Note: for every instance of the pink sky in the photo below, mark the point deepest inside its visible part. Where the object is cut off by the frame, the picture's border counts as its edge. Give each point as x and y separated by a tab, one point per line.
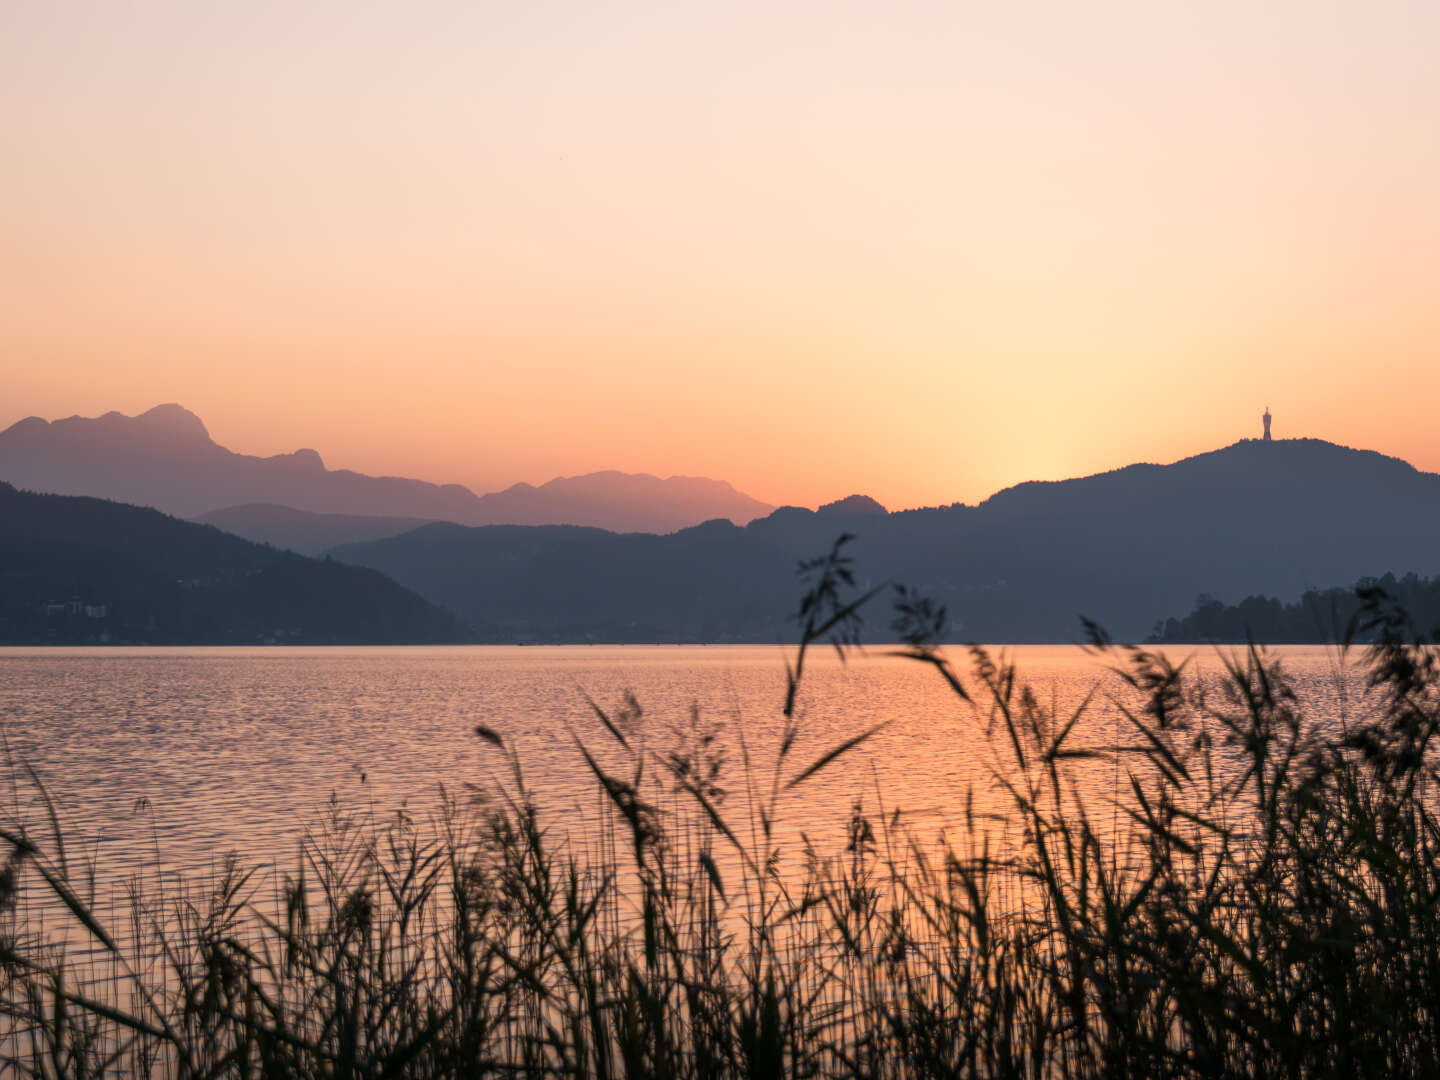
919	250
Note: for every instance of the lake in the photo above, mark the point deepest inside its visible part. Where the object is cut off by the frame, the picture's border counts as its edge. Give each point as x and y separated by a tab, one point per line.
172	757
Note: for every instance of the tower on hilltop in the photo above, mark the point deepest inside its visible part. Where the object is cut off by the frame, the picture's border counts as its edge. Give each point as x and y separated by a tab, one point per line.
1266	419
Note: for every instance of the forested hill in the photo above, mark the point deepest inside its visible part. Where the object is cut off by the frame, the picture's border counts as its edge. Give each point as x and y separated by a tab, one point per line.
1319	617
77	570
1126	548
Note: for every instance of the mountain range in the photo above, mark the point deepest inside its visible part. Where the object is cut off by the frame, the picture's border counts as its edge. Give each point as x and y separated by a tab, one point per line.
166	459
77	570
1125	548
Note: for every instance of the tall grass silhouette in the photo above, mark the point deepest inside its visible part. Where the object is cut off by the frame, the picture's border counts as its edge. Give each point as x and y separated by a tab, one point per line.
1259	898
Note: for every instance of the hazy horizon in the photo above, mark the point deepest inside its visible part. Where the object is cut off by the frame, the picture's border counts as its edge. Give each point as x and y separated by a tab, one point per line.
913	250
333	465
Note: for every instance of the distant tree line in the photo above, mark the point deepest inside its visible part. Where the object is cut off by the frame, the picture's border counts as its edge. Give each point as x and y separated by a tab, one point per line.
1320	616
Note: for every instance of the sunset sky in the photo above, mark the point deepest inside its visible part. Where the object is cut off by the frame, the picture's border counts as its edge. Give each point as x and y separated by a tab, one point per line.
917	250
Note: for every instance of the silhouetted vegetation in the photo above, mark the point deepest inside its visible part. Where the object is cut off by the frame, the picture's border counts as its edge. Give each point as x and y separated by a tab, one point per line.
88	571
1320	616
1259	900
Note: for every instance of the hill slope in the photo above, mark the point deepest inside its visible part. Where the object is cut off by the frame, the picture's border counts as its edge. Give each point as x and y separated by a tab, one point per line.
305	531
1126	547
76	570
165	458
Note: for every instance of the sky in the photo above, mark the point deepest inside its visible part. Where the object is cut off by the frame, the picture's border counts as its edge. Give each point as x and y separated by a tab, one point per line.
917	250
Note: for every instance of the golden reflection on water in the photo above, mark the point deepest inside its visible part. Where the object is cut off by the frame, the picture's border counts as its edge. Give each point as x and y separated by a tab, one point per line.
170	758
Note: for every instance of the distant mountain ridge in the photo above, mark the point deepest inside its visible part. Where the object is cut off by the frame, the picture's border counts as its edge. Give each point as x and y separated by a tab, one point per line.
78	570
305	531
166	459
620	502
1126	547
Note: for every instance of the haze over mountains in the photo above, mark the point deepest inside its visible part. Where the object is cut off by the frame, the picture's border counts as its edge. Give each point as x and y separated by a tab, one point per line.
1127	548
305	531
166	459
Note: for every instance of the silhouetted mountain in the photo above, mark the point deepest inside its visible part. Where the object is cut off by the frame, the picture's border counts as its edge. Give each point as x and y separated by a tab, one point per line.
76	570
165	458
1319	617
619	502
547	583
853	506
303	531
1123	547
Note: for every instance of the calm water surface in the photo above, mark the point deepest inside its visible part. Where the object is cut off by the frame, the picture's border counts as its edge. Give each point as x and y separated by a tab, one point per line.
182	755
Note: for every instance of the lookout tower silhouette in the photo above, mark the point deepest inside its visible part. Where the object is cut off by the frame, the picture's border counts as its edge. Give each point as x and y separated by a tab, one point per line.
1266	419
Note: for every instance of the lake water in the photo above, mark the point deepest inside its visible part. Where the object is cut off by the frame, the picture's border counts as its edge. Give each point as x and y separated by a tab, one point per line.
173	757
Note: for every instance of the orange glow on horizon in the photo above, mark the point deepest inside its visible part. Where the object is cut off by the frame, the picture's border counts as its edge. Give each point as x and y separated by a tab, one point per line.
911	251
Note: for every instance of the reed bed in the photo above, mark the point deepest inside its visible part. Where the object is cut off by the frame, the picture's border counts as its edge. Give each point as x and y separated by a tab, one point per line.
1259	898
